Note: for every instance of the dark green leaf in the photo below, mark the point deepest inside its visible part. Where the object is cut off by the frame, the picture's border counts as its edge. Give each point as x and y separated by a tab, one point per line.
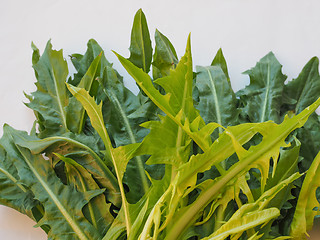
82	148
262	99
82	63
97	210
217	101
50	99
12	193
306	87
310	139
118	108
62	204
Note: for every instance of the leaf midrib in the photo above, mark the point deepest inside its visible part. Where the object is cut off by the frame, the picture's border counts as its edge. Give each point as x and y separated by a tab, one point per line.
264	109
64	121
113	98
217	105
56	201
166	47
13	179
238	168
106	140
142	47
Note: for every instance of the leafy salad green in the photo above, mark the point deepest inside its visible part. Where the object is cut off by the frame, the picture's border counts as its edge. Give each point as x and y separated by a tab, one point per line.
185	158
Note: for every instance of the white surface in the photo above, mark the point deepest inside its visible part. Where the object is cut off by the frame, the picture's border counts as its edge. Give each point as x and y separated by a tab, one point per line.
245	29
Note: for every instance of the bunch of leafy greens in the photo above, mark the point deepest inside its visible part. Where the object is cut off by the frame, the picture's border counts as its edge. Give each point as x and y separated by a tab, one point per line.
185	158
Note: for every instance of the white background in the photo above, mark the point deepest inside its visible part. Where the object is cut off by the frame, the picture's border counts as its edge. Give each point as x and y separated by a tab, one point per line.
245	29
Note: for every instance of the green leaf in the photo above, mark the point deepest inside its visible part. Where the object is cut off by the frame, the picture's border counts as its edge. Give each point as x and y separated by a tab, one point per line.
13	194
174	151
50	99
119	156
256	157
177	104
119	112
80	147
220	150
83	62
220	61
62	204
302	91
241	222
287	164
217	101
75	111
35	54
117	228
305	89
307	203
286	167
165	56
310	139
235	225
97	210
262	99
140	47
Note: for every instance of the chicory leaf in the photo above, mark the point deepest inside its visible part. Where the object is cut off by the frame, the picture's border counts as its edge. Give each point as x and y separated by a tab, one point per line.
119	108
262	99
62	204
50	99
97	210
255	157
165	56
308	206
140	47
217	101
220	61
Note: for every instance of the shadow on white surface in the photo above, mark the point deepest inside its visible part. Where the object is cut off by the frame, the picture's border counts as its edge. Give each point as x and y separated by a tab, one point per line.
14	225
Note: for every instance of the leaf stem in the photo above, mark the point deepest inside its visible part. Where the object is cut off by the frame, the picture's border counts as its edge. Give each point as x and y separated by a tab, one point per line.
113	98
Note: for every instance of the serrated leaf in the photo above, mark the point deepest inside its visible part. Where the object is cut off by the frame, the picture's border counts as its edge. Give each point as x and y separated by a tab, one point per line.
75	111
262	98
303	90
220	150
120	104
119	111
177	104
83	62
97	210
242	222
306	87
307	203
118	156
50	99
12	193
140	46
256	157
80	147
287	166
62	204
